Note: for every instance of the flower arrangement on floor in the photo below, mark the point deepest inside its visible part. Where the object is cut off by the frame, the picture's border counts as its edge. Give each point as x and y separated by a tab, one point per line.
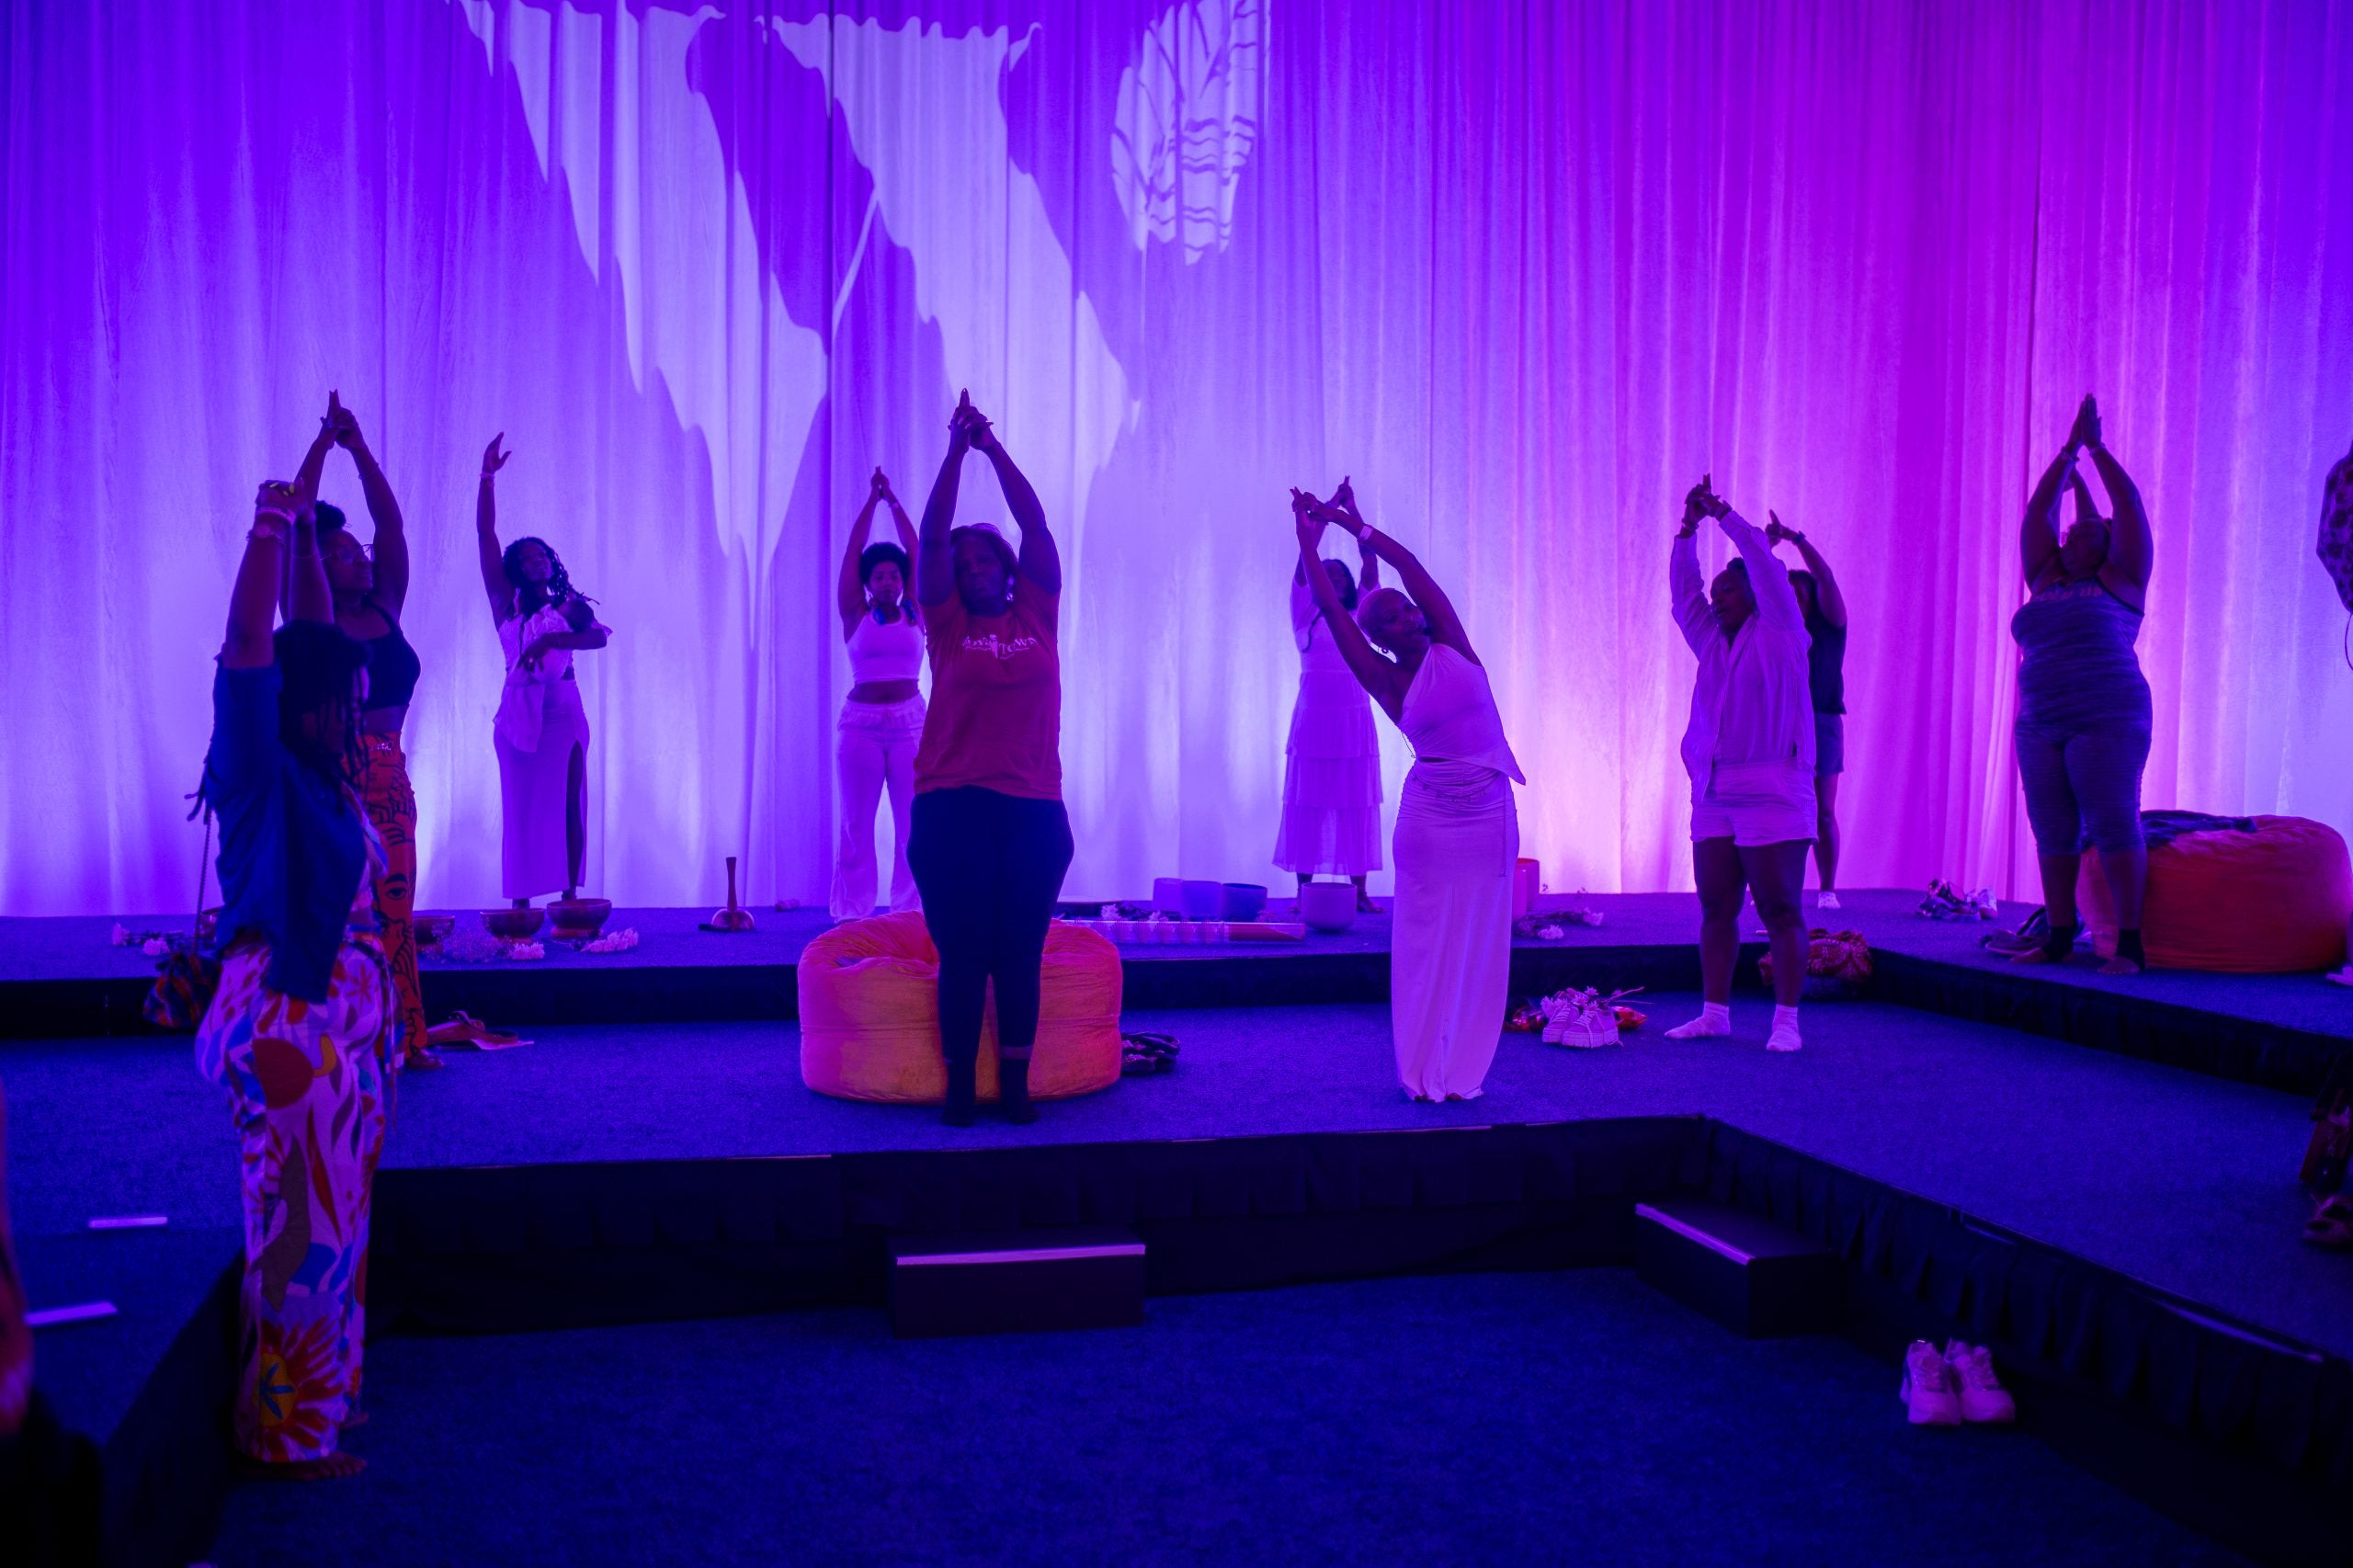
1837	965
1552	924
618	941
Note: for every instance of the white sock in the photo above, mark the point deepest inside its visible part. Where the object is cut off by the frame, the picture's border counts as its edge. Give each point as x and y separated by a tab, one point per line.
1715	1018
1785	1030
1829	899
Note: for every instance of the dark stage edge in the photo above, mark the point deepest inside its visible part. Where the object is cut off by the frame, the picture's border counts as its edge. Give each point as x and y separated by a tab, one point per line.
59	979
2232	1430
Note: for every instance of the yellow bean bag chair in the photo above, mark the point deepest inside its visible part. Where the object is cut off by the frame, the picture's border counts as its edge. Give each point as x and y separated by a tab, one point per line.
2270	901
870	1016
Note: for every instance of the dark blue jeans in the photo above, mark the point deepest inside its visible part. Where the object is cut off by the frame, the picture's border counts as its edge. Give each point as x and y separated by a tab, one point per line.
990	867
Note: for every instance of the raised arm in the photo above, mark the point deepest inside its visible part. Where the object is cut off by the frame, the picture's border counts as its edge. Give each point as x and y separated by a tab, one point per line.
389	549
494	566
934	562
253	601
1368	563
1378	675
314	598
2038	532
1768	580
306	490
1827	596
1040	562
314	462
2131	548
1437	610
849	593
1687	589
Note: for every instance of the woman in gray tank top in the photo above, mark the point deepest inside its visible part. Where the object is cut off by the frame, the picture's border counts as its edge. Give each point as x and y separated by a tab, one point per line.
2081	732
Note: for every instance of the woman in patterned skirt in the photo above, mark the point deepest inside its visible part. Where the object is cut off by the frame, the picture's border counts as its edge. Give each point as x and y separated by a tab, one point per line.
304	1026
371	585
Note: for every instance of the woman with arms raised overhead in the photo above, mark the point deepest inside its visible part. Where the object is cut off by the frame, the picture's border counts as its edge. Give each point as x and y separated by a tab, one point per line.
1458	825
1824	609
2082	732
990	840
1748	748
1331	821
881	719
371	585
304	1026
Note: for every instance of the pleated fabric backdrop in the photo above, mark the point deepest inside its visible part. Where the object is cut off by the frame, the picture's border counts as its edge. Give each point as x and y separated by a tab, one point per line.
1523	271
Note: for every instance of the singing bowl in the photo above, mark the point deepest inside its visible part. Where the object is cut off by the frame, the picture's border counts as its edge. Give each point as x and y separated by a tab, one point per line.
512	924
1202	901
1242	900
576	919
431	929
1328	906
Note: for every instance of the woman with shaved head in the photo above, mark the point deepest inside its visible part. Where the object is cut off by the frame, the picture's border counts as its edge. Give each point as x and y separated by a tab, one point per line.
1458	826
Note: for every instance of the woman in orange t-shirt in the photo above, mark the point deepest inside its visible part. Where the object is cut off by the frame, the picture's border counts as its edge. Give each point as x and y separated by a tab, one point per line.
990	840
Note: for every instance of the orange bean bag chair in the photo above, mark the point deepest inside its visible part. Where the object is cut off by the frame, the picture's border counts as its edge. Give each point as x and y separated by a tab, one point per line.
2264	903
869	1014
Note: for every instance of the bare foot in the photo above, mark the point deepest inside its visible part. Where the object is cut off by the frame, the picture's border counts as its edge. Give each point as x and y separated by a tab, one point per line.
2034	955
2119	966
421	1058
1365	904
334	1467
357	1418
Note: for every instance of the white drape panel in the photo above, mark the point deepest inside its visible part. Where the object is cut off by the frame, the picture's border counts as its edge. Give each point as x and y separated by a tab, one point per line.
1522	270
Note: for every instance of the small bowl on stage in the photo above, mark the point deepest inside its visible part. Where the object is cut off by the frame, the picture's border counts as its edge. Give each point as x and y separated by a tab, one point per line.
1328	906
512	924
433	929
578	920
1200	901
1241	900
1168	895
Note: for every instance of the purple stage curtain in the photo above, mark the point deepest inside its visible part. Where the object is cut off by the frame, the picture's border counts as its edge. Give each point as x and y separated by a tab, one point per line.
1524	271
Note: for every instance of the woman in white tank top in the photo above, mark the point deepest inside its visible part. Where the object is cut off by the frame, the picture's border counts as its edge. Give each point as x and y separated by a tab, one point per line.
882	720
1458	825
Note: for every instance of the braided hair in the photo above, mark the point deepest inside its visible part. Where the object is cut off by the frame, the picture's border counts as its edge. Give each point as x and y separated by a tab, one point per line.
318	671
559	589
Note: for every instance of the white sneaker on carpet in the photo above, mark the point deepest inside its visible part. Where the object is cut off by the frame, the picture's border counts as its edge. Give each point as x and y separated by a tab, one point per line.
1928	1393
1828	900
1785	1038
1983	1397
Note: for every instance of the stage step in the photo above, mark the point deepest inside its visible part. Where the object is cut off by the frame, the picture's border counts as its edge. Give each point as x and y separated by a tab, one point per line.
1024	1281
1747	1273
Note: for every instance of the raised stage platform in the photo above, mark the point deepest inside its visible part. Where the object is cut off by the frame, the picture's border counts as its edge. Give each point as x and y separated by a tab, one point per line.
61	978
2124	1231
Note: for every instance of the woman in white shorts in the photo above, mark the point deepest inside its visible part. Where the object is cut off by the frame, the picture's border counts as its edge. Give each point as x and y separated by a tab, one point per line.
882	719
1749	750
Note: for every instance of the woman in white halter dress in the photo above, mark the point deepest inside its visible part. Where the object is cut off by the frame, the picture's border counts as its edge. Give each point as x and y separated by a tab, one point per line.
1458	825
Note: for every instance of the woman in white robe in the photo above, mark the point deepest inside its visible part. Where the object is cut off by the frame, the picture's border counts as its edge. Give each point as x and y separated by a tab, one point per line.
541	728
